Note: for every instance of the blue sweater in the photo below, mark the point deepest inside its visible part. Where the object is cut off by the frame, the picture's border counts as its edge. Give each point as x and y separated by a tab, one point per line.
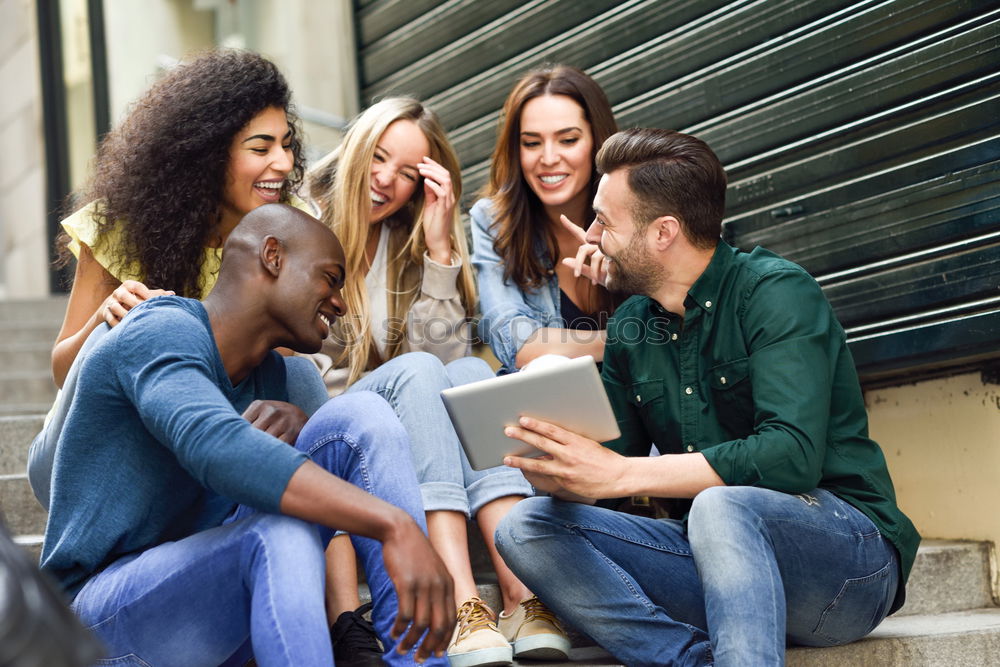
154	447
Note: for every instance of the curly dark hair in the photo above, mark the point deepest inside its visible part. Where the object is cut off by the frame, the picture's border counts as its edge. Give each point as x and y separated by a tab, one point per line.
162	171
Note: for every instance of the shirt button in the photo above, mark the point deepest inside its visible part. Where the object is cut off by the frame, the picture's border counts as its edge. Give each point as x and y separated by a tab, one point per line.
690	448
722	379
689	391
708	304
673	336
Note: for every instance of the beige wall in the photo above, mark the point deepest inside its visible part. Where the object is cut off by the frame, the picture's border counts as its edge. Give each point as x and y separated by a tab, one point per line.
142	37
942	441
23	244
313	43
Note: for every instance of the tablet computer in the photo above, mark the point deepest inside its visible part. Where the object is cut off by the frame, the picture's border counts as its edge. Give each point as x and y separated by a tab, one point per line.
569	394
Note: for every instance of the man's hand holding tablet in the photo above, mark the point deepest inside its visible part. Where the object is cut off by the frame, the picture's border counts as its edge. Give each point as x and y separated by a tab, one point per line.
567	393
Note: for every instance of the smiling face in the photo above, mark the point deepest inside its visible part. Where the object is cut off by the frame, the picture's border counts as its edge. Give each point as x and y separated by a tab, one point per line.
260	157
632	269
394	175
309	299
556	152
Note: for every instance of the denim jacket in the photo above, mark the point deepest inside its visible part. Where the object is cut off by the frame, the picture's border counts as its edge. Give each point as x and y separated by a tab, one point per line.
510	315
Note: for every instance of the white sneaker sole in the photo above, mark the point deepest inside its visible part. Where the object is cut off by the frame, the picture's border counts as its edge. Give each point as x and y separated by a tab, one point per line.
542	647
498	655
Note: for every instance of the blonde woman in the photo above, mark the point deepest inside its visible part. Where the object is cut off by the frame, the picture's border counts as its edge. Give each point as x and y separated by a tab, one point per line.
390	193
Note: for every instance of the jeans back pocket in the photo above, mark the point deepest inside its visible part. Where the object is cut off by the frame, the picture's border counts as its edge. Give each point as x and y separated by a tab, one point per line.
858	608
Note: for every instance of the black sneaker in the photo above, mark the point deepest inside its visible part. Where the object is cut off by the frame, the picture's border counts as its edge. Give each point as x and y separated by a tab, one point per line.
354	641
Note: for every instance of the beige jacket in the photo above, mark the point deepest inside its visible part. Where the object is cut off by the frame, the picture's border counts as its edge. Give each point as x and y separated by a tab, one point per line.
434	319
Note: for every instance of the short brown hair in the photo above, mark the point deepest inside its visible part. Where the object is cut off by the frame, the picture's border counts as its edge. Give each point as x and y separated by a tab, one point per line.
670	173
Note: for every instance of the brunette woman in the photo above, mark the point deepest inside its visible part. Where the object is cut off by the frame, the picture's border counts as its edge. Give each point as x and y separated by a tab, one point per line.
537	206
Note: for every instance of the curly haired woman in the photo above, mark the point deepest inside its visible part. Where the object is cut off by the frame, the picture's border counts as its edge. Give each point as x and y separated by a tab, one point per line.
210	141
207	143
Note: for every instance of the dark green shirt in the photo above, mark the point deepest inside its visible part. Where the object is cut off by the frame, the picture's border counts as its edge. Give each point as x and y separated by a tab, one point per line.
757	377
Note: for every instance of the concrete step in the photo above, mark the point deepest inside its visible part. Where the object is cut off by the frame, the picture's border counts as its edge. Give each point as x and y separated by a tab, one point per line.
16	434
24	409
21	511
31	331
32	544
31	356
948	576
957	639
49	309
968	638
26	387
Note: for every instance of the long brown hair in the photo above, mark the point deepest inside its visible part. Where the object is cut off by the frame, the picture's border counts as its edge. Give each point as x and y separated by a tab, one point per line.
516	208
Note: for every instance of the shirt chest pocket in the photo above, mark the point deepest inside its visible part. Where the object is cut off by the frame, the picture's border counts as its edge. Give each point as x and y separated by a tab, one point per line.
648	398
732	395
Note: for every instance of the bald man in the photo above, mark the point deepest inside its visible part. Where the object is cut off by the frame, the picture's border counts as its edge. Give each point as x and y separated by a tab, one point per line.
183	532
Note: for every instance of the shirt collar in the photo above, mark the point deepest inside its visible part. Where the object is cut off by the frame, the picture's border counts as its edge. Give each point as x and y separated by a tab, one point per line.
704	294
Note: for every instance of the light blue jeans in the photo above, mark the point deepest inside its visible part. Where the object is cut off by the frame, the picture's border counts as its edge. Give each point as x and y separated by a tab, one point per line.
412	385
755	569
259	578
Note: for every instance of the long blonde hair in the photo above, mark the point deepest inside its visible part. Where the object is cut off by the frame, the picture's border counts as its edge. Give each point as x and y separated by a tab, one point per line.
341	184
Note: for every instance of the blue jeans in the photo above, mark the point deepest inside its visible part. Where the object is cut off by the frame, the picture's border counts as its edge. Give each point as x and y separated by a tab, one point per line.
412	385
755	569
259	578
306	388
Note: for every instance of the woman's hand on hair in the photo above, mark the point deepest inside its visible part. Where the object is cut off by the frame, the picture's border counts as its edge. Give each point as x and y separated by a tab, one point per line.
127	296
589	262
439	210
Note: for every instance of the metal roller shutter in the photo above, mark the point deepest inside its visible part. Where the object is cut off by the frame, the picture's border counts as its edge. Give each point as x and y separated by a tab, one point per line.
862	139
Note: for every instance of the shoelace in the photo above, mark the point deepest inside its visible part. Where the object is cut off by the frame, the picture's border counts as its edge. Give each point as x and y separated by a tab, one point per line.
474	615
535	610
356	634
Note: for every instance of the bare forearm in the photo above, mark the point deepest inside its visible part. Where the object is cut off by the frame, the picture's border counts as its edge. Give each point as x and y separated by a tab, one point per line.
66	350
316	496
668	476
567	342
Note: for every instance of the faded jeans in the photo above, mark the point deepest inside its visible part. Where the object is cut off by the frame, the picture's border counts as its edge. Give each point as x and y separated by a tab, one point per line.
755	569
259	578
412	385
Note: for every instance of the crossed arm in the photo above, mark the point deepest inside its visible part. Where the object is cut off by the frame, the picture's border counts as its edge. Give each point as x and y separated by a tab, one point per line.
423	586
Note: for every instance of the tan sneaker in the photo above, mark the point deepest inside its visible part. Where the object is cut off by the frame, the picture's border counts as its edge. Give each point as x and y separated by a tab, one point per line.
535	632
477	641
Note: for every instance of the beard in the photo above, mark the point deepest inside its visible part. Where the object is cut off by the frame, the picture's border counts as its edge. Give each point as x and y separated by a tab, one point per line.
634	271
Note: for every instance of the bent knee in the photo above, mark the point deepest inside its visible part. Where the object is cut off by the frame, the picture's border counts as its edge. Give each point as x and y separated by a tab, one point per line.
362	414
468	369
419	364
717	499
717	509
529	519
282	535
